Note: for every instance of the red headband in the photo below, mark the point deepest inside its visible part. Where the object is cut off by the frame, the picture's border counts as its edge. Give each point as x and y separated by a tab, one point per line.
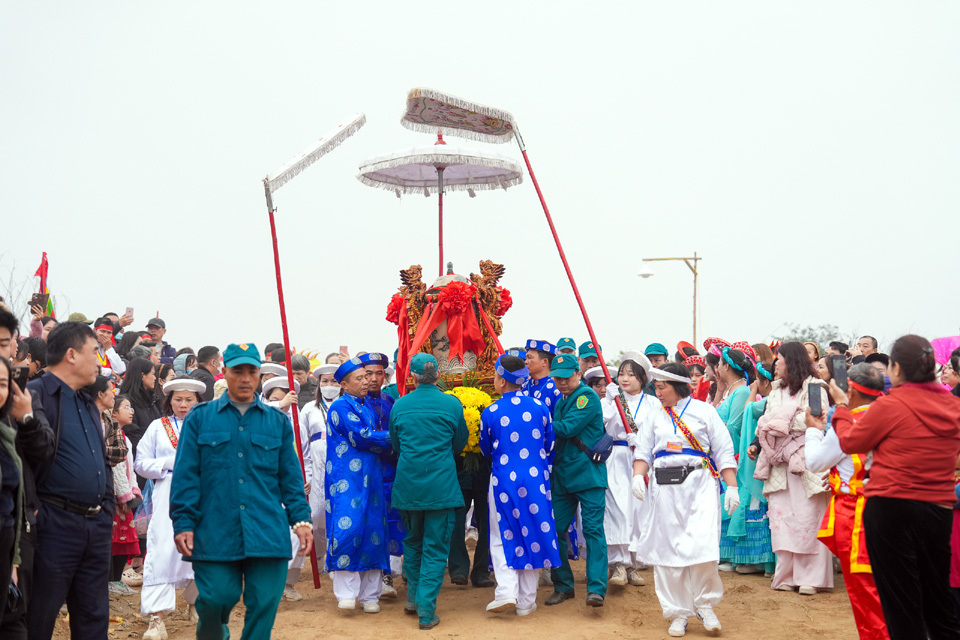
864	390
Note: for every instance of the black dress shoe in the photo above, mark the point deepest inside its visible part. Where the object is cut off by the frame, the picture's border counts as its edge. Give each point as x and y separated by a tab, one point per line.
594	600
484	582
559	596
458	580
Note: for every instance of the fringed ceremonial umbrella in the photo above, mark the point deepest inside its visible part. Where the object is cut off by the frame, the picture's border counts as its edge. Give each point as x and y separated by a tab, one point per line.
437	168
271	183
437	112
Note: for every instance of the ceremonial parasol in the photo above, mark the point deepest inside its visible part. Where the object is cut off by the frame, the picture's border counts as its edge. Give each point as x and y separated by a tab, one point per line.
271	183
437	168
433	111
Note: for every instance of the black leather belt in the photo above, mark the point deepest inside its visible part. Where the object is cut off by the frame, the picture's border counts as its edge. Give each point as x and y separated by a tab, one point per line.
73	507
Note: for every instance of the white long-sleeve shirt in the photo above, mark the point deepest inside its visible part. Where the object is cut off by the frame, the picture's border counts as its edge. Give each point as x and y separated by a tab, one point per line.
823	452
116	363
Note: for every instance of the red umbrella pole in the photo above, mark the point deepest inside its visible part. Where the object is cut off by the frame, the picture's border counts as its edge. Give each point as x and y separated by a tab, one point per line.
286	350
440	186
566	266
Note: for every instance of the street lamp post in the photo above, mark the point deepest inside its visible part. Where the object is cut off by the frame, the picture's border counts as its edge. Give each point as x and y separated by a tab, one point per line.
646	272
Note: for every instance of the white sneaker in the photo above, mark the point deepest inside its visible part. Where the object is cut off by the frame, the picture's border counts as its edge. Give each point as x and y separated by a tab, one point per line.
678	628
807	591
155	630
131	578
502	605
619	576
192	613
371	607
291	594
725	566
748	569
634	578
710	621
472	534
388	590
785	587
347	604
526	612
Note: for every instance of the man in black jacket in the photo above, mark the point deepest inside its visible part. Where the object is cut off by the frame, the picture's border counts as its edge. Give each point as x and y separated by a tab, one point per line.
75	488
208	368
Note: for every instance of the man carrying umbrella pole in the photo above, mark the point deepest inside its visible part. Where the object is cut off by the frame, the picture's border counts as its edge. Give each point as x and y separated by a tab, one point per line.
237	469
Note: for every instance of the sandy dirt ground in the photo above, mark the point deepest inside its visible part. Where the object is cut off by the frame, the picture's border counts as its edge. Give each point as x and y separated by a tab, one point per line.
750	610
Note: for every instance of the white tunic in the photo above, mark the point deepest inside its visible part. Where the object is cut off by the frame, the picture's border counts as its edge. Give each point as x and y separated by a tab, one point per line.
684	518
296	562
625	516
314	420
155	456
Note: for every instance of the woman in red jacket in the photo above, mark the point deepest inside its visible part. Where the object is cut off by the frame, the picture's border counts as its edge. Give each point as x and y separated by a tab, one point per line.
914	433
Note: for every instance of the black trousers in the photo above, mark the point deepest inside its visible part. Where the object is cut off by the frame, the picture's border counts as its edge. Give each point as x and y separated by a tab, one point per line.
474	488
7	536
13	624
909	546
72	565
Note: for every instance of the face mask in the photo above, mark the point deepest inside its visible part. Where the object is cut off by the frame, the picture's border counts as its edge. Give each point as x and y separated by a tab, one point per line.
330	393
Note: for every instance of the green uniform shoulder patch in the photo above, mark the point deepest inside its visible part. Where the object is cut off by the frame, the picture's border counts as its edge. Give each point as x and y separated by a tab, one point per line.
582	402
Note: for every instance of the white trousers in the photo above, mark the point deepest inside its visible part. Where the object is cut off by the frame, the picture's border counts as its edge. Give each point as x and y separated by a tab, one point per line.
396	565
364	586
162	598
621	553
682	590
512	584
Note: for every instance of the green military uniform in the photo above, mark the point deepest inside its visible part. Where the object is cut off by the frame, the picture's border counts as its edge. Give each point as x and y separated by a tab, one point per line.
427	429
577	480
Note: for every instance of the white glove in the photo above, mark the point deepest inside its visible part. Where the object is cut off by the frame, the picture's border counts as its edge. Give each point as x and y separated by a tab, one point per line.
731	500
633	439
612	391
639	487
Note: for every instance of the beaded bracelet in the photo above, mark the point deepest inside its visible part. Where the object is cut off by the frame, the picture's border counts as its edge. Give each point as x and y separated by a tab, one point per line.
303	524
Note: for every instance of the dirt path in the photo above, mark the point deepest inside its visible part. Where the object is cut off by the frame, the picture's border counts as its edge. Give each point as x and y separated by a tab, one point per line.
750	610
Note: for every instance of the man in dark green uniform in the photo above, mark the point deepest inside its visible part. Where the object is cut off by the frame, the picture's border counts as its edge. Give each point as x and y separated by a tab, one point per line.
427	429
577	480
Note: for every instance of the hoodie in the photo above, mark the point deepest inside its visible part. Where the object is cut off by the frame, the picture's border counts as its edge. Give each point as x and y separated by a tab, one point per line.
914	433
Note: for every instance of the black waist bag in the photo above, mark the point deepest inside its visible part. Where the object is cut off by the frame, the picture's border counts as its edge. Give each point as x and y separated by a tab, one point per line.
674	475
600	451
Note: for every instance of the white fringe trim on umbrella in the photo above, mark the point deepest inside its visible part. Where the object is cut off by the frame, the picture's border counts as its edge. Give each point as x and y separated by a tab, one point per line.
399	185
460	103
327	143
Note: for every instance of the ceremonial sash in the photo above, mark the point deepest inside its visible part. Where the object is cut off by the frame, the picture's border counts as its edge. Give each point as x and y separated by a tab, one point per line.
171	432
694	443
102	358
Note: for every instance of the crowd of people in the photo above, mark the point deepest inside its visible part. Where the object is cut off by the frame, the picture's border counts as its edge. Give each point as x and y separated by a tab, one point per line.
126	463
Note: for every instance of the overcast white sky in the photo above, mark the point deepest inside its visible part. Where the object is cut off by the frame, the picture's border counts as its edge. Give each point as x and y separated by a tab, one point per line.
810	152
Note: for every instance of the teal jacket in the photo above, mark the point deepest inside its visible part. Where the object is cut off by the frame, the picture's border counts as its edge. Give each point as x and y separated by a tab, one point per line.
577	415
232	478
428	431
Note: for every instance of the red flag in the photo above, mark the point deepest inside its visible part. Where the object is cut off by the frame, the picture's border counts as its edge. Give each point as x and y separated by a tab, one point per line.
42	272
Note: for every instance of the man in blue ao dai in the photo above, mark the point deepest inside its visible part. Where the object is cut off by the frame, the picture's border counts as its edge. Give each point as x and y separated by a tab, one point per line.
357	539
516	431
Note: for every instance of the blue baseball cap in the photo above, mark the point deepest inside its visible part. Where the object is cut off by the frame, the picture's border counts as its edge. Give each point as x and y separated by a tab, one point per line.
245	353
656	349
564	365
420	361
566	343
542	345
588	349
